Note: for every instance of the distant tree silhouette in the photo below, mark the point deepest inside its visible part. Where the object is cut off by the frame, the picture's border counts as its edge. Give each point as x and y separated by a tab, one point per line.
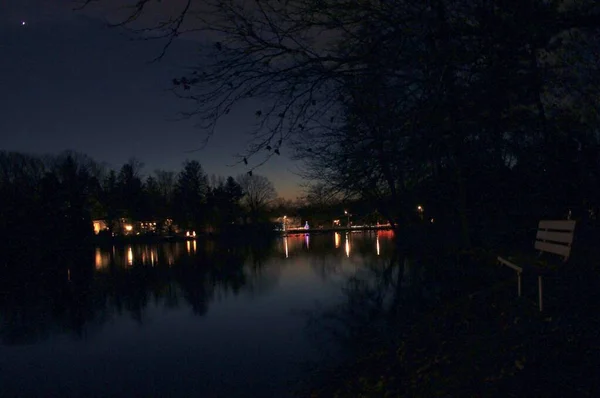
224	203
191	192
152	199
130	189
110	199
258	194
166	186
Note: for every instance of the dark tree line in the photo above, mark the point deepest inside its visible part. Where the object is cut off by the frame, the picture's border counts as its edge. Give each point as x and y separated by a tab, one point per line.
55	198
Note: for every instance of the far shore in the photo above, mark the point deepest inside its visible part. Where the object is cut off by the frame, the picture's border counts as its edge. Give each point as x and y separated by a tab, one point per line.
100	239
296	231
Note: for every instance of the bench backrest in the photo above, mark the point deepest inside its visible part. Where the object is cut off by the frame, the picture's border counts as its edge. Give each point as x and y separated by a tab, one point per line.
555	236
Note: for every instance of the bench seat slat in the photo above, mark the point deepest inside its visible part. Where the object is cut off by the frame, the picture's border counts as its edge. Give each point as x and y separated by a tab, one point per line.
561	237
559	225
559	249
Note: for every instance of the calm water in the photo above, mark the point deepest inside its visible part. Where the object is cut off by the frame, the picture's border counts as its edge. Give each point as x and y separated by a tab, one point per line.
201	318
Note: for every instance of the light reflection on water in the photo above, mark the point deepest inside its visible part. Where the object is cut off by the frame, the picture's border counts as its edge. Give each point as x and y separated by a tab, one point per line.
129	256
170	253
347	245
195	317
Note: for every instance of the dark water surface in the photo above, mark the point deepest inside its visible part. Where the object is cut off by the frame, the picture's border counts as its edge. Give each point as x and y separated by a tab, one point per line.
196	318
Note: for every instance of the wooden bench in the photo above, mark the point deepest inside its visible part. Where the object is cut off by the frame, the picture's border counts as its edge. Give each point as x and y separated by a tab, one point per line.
553	236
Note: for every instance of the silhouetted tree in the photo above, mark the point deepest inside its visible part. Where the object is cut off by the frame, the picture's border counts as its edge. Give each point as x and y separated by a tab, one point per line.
224	202
166	186
190	195
69	189
258	193
152	199
111	199
129	185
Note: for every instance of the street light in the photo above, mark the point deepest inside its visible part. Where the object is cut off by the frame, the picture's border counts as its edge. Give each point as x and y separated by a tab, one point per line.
348	215
420	211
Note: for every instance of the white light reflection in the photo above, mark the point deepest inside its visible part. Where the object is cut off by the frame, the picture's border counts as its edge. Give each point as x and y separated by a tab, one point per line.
152	257
337	238
285	245
194	245
307	240
347	245
377	244
129	256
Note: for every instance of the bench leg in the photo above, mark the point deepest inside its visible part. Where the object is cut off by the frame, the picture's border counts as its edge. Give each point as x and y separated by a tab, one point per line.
540	292
519	284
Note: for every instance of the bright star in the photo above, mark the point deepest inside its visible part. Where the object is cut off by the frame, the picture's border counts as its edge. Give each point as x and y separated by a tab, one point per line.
23	23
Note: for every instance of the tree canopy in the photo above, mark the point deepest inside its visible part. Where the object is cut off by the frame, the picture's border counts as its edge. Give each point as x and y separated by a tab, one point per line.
400	102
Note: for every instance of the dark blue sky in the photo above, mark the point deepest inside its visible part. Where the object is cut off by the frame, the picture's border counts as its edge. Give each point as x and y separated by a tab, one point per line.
69	82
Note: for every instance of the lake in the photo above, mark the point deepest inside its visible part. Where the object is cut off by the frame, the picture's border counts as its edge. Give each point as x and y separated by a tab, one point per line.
205	318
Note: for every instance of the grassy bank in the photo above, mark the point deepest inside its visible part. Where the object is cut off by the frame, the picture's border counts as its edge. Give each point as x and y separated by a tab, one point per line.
489	342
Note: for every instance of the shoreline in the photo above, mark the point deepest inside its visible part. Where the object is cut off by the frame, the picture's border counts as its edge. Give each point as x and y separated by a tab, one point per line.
327	230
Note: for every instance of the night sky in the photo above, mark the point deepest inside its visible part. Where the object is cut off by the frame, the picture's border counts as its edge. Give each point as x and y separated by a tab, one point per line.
67	81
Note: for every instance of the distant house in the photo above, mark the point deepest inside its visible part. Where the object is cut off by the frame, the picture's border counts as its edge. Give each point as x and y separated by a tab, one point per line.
99	226
145	227
130	227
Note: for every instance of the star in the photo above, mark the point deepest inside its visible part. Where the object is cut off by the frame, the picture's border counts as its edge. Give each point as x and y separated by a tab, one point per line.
23	23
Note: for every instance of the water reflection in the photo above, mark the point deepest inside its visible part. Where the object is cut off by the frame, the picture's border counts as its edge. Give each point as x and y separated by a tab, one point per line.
347	245
295	243
389	290
374	242
102	259
132	298
130	256
109	281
